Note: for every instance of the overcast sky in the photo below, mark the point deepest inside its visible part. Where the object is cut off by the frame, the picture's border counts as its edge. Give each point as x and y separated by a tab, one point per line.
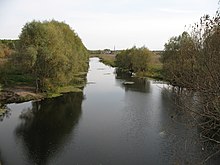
107	23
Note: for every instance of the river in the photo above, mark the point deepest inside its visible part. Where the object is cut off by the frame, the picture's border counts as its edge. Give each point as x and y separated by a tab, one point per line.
109	123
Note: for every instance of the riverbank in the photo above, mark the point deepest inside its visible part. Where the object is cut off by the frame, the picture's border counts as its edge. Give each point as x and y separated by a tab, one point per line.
19	94
154	71
22	90
108	59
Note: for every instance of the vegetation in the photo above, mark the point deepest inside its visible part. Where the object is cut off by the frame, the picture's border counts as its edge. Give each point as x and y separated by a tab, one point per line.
49	55
141	61
105	58
6	48
134	59
191	61
179	60
154	67
3	111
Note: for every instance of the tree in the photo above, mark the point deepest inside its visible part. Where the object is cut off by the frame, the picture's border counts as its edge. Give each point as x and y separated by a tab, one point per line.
192	62
179	61
52	52
134	59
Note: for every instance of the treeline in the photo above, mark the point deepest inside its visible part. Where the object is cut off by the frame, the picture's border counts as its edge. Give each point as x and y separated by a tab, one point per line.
49	53
192	61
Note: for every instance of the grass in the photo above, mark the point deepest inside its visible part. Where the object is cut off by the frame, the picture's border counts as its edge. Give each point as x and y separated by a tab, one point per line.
65	89
77	85
154	71
70	88
154	68
53	95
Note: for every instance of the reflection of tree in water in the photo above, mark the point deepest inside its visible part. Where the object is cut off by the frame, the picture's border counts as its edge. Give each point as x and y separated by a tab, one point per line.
47	126
1	161
140	84
182	137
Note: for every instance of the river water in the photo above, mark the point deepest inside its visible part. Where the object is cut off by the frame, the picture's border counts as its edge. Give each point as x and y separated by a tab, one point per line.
109	123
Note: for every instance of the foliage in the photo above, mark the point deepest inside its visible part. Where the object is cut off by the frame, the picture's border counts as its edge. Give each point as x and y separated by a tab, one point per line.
154	71
179	60
5	50
192	62
51	52
134	59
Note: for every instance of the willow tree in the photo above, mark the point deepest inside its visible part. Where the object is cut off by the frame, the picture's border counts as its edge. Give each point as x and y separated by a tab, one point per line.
52	52
134	59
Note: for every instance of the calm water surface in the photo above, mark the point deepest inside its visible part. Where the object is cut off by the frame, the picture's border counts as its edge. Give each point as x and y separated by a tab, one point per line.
108	124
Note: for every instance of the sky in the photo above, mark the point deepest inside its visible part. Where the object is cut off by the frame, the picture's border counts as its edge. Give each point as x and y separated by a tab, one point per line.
103	24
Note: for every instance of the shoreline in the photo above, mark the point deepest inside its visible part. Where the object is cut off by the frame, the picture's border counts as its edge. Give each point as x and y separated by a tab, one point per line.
19	94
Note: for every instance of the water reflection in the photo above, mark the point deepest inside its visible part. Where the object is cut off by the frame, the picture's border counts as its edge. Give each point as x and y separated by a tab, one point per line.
181	144
1	161
120	124
161	112
45	129
138	84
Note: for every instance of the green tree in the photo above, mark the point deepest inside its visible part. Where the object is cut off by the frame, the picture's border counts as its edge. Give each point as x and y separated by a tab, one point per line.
52	52
134	59
179	61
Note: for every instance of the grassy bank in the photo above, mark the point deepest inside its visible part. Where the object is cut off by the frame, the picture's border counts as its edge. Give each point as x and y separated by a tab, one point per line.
108	59
154	69
20	88
154	72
